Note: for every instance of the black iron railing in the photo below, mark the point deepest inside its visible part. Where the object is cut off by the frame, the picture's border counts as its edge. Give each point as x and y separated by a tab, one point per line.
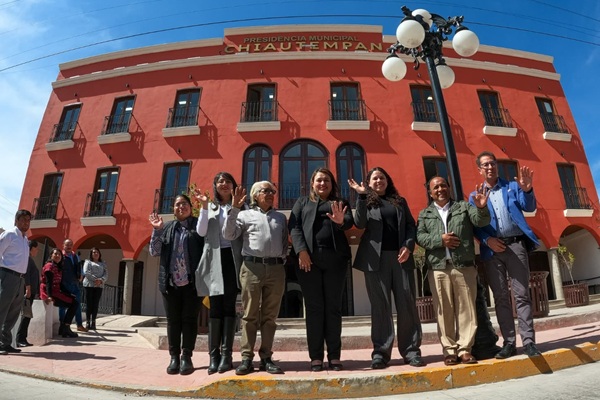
554	123
576	198
424	111
63	131
347	110
497	117
183	116
99	204
111	301
118	123
164	199
45	207
259	111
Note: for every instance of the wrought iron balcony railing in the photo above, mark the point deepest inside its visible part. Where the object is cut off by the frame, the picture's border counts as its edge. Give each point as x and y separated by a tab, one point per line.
63	131
164	199
99	204
118	123
111	301
259	111
424	111
347	110
45	207
554	123
497	117
576	198
183	116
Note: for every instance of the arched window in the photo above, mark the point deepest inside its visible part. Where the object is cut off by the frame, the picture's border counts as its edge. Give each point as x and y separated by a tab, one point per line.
257	165
298	161
350	160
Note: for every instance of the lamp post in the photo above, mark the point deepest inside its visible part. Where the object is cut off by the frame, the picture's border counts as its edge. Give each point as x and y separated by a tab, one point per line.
421	35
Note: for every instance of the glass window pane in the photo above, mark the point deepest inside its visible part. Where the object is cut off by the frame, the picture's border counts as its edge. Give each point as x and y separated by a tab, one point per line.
293	151
314	151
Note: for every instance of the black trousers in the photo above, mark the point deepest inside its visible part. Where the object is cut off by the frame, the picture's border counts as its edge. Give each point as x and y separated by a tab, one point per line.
23	328
222	306
322	289
71	309
181	306
92	295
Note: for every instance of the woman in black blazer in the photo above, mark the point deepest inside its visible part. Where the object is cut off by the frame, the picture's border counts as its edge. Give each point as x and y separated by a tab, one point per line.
317	224
385	256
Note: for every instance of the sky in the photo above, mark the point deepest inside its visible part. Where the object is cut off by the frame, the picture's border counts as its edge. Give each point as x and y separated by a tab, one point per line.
37	35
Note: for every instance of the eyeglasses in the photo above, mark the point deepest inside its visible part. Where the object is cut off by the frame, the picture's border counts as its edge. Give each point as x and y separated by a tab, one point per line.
490	164
267	191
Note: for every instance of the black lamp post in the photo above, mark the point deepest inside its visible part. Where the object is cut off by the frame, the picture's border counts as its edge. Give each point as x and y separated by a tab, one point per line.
421	35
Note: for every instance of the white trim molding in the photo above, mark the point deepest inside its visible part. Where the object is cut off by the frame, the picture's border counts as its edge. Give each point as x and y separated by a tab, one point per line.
578	213
43	223
60	145
181	131
561	137
259	126
348	125
426	126
98	221
114	138
499	131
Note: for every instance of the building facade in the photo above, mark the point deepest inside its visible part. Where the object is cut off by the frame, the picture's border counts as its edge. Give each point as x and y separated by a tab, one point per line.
124	132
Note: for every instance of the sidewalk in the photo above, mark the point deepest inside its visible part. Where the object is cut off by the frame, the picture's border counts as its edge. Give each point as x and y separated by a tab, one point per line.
120	356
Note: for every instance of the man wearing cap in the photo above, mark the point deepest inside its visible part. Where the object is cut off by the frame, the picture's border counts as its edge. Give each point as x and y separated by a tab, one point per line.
14	256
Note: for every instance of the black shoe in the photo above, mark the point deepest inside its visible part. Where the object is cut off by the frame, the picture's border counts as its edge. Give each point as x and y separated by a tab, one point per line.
23	343
416	361
187	367
9	349
316	365
213	365
508	350
336	366
269	366
378	363
245	367
173	367
68	333
531	350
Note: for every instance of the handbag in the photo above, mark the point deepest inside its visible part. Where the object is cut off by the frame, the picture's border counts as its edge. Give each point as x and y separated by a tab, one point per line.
26	311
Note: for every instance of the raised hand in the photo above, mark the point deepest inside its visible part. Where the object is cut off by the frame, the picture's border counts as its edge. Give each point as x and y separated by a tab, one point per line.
482	193
156	220
525	179
360	189
239	197
337	212
203	198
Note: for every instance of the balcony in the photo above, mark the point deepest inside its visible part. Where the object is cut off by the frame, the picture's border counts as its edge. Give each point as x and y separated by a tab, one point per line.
555	128
498	122
348	115
164	199
577	202
425	117
44	212
182	121
115	129
99	208
257	116
62	136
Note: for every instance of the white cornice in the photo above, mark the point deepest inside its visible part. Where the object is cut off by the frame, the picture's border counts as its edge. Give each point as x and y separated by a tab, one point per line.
288	56
350	29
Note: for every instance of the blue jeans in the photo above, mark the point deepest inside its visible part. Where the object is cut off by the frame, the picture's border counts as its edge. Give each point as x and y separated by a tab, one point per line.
73	288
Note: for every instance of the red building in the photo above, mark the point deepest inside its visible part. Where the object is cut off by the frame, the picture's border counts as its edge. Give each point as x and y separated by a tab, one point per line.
123	132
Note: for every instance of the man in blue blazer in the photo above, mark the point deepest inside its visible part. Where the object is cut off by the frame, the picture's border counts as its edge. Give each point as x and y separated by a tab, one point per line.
504	245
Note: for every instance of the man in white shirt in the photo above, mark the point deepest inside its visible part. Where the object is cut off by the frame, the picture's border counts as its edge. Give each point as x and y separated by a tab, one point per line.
14	256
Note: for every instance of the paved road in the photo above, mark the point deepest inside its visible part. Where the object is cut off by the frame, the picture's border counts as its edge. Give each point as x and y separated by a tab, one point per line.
573	383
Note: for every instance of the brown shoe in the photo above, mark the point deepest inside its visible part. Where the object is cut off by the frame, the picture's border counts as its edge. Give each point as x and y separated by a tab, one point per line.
450	360
467	358
81	328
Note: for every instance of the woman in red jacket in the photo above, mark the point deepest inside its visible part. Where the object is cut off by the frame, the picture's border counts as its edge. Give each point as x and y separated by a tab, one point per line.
51	290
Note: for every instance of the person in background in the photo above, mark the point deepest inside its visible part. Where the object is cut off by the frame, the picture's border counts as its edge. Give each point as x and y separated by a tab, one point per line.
262	276
53	290
317	224
72	277
218	272
14	254
179	247
445	231
385	256
95	274
505	244
32	288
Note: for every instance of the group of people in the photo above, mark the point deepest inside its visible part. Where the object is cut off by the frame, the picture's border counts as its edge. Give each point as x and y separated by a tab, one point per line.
232	246
58	284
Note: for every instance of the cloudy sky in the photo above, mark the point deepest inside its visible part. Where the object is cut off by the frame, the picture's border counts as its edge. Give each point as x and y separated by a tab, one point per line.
37	35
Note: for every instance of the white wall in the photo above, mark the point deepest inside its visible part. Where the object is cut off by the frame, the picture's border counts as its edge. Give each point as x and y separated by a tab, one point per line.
587	255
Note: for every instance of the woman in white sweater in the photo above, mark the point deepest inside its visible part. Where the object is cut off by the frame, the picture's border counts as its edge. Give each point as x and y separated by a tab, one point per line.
95	274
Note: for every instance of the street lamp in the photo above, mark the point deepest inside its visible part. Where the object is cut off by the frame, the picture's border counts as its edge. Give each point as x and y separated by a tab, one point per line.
421	35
